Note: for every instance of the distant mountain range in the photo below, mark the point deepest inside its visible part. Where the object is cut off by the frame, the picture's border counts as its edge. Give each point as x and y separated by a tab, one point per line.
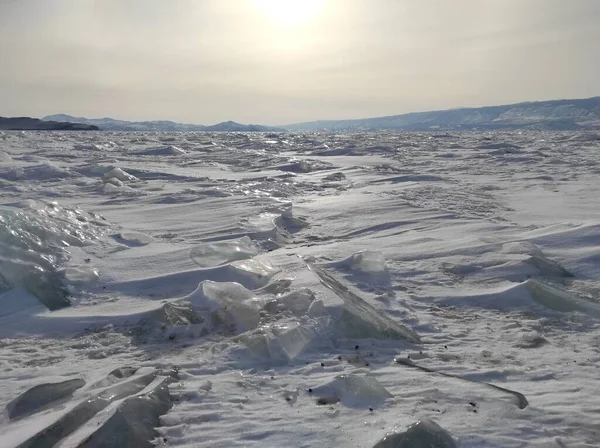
558	115
34	124
571	114
110	124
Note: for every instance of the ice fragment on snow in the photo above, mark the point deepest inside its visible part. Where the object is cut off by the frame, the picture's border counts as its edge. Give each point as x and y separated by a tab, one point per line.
176	314
548	268
298	302
33	241
214	254
560	300
254	272
284	341
317	309
294	338
358	319
227	305
276	287
80	276
113	181
423	434
352	391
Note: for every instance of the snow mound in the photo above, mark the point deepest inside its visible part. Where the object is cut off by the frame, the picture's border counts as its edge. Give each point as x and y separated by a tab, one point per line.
303	166
93	170
223	252
34	241
42	172
335	177
91	147
355	391
585	137
227	306
119	174
368	261
168	150
367	265
521	247
135	238
499	145
252	274
423	434
5	157
528	294
116	187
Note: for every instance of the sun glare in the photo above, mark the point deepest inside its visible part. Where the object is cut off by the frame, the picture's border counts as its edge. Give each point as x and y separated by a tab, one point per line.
290	12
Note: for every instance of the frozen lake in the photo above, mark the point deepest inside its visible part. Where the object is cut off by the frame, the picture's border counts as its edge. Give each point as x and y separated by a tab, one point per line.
299	290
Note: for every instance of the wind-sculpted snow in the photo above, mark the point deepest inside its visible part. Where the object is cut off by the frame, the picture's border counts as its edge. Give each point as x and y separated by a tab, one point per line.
312	289
222	252
131	424
41	396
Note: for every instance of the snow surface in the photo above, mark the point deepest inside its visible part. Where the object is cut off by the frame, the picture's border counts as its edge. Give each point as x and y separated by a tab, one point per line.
295	281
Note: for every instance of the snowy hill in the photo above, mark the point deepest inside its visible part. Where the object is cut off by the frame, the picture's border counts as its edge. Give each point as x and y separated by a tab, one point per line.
110	124
34	124
559	115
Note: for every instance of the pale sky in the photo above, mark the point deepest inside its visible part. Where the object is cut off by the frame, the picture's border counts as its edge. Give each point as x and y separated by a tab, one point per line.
286	61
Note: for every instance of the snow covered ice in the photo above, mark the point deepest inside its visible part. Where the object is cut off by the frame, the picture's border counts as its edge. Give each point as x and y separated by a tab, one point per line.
232	289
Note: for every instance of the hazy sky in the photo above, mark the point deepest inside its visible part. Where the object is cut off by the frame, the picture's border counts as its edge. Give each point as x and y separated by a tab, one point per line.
285	61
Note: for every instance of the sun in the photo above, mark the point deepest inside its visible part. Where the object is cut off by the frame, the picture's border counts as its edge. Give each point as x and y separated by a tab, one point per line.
290	12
